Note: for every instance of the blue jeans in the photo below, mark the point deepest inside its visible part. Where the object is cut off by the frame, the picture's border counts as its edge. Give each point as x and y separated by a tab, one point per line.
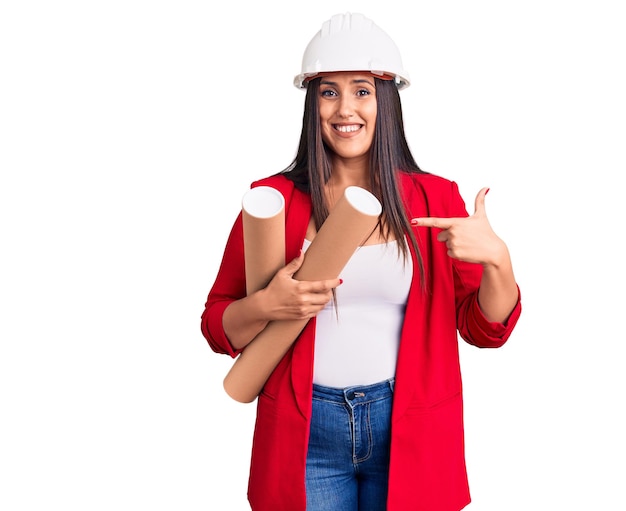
347	465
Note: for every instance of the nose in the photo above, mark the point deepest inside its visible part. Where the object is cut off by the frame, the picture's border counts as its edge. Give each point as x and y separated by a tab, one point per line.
346	107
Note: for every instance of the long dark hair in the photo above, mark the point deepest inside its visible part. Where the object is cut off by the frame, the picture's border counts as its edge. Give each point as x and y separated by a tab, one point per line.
311	168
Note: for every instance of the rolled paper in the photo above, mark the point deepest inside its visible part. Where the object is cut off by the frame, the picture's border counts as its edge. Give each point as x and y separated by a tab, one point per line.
263	216
348	225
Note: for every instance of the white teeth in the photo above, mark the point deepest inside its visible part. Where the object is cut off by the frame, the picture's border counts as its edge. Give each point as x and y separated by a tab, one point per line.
348	129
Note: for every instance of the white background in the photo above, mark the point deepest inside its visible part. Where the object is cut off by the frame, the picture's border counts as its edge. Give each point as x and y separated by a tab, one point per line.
129	131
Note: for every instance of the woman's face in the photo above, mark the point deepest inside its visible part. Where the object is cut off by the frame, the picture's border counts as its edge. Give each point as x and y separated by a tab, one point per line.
348	107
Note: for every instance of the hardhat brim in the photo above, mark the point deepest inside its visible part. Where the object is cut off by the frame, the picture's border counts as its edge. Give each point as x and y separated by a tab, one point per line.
301	80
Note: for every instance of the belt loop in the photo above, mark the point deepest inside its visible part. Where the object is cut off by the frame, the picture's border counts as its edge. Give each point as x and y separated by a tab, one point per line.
392	383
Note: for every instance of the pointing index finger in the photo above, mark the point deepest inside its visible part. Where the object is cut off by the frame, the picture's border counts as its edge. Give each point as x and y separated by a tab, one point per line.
440	223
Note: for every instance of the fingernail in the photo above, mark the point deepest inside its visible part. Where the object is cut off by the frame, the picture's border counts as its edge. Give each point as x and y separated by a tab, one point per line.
414	222
487	191
340	281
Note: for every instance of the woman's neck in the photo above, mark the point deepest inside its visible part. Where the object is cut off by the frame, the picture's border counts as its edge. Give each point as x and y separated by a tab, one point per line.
346	173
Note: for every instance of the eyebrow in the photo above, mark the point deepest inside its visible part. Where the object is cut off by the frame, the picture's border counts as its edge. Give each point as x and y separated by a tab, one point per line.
361	80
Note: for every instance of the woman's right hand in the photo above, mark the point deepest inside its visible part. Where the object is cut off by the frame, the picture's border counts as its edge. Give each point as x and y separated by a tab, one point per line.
286	298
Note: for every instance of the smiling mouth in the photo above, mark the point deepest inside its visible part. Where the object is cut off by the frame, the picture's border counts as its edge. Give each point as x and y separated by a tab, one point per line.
347	128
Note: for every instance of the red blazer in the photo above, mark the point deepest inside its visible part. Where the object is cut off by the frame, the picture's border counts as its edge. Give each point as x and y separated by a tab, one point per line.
427	468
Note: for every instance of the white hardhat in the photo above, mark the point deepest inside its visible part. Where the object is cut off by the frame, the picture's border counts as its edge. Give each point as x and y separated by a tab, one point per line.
352	42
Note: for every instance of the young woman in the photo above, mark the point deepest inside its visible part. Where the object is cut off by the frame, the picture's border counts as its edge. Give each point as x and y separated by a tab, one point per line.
364	412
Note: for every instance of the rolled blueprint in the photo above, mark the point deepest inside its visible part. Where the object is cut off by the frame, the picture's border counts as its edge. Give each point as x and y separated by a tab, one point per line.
348	225
263	216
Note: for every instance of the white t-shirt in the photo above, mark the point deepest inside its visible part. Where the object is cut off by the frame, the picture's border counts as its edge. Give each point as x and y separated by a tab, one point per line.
357	339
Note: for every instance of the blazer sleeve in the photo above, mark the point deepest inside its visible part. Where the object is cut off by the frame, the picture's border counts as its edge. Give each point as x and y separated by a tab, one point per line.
473	326
229	285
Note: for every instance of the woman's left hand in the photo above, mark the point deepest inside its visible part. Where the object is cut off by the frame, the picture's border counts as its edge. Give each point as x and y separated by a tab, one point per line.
469	238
